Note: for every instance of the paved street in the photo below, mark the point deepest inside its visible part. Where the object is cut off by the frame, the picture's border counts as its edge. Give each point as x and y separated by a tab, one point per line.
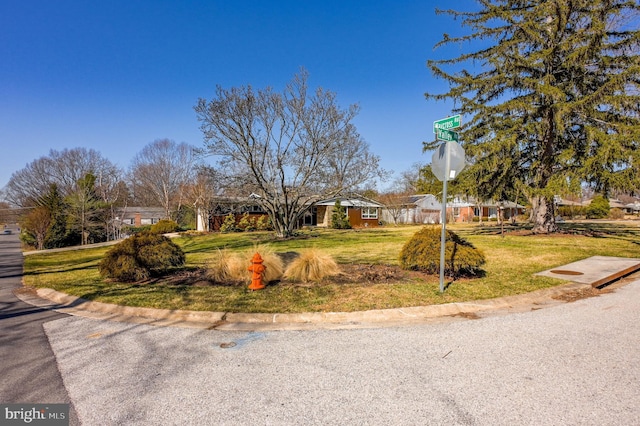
571	364
568	364
28	369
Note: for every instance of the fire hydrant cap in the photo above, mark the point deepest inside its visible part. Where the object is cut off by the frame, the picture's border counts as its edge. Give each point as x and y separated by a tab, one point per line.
256	258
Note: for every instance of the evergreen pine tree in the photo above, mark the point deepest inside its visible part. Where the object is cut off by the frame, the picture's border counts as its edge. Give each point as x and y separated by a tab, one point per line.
57	234
598	208
551	96
84	209
339	218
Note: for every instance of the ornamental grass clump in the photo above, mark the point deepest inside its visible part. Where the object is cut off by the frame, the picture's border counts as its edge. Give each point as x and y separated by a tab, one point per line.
140	257
232	267
271	260
422	253
227	267
311	265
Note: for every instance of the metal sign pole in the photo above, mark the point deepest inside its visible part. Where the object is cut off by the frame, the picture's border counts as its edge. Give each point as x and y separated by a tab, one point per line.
444	214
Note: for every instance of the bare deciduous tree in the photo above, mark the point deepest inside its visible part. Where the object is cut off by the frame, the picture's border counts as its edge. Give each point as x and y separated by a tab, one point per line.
36	225
160	172
202	192
62	168
295	148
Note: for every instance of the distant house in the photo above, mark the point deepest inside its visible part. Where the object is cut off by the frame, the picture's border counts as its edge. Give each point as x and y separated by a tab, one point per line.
632	208
362	212
139	216
463	210
421	208
492	210
629	208
426	208
616	204
125	217
224	206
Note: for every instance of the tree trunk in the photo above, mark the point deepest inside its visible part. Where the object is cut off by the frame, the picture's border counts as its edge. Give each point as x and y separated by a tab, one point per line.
544	221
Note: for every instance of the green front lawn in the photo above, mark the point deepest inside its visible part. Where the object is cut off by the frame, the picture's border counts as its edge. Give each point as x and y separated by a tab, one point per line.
511	262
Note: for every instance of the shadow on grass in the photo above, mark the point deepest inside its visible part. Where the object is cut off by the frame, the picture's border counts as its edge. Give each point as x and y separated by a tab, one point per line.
596	229
197	244
45	266
619	231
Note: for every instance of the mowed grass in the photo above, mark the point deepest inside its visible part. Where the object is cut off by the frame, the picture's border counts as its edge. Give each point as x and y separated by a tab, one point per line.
512	259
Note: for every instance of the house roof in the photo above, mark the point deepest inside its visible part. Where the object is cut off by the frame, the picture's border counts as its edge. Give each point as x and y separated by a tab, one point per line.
613	203
562	202
145	212
350	202
470	202
633	206
616	204
418	197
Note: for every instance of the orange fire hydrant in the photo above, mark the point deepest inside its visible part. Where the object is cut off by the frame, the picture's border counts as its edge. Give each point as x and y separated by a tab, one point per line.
258	269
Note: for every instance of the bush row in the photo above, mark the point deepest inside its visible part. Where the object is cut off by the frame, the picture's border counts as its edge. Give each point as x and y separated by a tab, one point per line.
148	254
247	223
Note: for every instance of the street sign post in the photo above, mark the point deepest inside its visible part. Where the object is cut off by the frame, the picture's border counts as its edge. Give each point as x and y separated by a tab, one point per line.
448	123
446	135
446	163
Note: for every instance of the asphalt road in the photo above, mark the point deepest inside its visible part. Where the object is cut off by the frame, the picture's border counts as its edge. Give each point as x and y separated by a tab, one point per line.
28	371
568	364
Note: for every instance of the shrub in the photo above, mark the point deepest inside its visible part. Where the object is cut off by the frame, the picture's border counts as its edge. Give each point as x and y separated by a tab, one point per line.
339	219
165	226
616	214
263	223
311	265
229	224
247	223
422	253
130	230
484	219
141	256
571	211
598	208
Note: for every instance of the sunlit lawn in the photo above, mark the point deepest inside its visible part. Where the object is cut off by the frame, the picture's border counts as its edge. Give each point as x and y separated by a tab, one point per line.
512	260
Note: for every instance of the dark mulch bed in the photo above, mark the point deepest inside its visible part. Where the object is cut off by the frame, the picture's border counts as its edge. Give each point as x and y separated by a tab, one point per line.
350	274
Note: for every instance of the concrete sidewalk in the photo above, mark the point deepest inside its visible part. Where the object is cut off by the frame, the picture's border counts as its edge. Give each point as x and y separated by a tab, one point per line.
595	270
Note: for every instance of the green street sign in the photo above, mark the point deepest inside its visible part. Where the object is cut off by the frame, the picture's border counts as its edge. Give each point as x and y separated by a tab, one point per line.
448	123
446	135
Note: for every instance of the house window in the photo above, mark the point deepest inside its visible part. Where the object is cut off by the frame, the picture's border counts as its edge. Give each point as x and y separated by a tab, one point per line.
369	213
456	211
309	217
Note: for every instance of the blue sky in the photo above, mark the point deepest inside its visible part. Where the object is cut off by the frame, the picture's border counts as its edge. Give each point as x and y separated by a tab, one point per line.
117	75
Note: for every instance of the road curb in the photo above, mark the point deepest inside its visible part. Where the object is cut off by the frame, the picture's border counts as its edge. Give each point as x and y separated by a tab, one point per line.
61	302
